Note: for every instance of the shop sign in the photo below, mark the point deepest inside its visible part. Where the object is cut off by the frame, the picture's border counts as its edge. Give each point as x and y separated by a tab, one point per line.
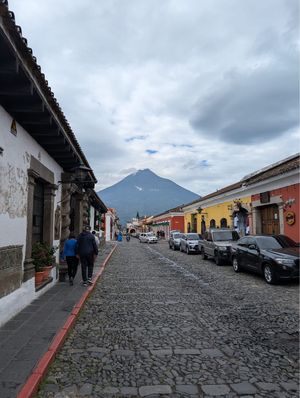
290	217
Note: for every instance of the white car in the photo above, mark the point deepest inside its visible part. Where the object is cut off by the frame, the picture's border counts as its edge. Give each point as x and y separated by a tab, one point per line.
148	237
189	243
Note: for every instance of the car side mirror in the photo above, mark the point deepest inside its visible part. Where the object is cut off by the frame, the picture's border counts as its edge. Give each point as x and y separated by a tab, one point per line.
253	247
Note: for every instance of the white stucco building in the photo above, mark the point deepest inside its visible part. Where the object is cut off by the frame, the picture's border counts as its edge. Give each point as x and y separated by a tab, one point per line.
111	224
46	183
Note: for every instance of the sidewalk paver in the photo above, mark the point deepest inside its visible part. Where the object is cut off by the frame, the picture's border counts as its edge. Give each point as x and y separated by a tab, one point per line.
26	337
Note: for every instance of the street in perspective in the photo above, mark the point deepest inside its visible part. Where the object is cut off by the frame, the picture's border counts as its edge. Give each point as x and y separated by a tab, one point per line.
163	323
149	198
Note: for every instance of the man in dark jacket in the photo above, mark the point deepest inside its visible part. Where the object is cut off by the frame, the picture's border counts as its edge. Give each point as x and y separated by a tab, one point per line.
87	250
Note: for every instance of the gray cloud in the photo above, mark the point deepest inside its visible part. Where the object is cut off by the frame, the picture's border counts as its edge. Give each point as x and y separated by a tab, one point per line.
258	100
253	105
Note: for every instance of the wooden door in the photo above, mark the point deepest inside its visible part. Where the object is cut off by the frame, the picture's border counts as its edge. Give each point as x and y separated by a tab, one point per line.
270	220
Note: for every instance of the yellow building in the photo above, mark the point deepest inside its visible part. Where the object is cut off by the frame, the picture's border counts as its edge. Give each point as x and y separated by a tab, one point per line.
216	210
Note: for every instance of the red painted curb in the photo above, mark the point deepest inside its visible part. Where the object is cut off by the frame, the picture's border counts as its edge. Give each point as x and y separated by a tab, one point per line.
56	342
75	311
30	388
69	322
44	363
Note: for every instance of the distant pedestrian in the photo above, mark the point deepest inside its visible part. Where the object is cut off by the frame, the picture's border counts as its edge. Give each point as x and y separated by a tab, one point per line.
69	254
96	238
87	251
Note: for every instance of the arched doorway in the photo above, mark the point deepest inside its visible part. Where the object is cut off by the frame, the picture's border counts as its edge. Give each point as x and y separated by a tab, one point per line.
189	227
194	223
212	223
223	223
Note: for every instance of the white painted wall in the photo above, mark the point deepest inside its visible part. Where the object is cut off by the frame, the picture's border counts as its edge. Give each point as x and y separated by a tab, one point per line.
14	163
15	302
92	217
107	227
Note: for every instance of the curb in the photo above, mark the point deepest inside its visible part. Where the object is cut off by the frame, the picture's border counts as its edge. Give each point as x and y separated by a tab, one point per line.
31	386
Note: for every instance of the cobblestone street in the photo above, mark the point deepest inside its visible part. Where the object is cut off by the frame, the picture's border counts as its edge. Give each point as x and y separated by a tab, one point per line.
162	323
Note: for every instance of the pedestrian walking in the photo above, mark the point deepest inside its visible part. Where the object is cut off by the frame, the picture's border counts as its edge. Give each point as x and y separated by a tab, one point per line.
87	252
69	253
96	238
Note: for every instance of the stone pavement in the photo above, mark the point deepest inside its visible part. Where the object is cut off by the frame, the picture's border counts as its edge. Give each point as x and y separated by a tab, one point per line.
161	323
25	338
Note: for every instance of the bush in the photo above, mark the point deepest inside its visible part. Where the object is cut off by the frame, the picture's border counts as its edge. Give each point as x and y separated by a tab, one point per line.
42	255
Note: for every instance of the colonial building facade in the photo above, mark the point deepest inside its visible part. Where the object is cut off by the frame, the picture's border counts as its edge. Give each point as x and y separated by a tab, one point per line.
264	202
46	183
163	223
111	224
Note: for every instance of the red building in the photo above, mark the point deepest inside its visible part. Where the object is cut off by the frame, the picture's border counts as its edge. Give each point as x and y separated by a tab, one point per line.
172	219
275	210
283	218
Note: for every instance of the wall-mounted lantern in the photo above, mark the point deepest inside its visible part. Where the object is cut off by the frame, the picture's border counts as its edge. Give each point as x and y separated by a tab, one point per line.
80	177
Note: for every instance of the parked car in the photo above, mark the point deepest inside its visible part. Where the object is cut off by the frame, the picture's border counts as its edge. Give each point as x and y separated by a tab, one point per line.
148	237
217	244
189	243
274	256
174	240
151	238
142	237
175	230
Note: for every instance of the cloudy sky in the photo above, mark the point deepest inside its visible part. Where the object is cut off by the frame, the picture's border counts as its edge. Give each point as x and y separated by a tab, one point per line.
201	92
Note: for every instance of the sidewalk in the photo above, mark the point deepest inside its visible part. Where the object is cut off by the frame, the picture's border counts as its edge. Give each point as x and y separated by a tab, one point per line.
26	337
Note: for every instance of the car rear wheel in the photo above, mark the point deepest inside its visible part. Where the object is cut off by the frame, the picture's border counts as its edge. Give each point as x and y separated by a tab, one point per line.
269	274
236	265
204	256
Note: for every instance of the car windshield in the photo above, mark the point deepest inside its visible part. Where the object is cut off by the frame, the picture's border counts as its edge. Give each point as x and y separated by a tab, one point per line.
177	236
225	235
274	242
193	237
150	234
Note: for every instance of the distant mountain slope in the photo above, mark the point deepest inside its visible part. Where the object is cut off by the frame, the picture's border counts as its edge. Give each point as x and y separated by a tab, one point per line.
146	193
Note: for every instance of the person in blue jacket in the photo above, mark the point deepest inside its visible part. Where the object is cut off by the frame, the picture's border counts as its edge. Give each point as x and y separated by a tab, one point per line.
69	254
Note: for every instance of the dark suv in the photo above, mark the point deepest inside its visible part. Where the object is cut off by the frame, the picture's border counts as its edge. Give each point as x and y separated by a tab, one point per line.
217	243
274	256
